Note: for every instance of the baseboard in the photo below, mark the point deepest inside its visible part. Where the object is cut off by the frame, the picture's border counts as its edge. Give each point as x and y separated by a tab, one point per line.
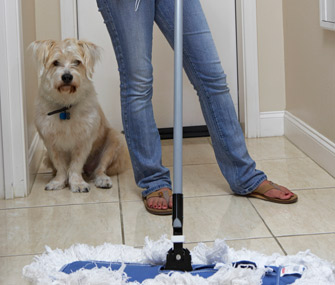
271	123
188	132
310	141
34	159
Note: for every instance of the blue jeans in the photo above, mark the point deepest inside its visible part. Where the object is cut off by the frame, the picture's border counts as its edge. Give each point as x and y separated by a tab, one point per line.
131	33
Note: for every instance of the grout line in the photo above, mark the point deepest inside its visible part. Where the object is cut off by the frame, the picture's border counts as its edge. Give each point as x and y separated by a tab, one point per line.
61	205
301	235
230	239
121	212
277	241
212	241
252	238
313	188
279	158
21	255
209	196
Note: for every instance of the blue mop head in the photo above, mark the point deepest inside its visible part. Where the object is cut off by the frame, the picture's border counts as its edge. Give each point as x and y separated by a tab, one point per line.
124	262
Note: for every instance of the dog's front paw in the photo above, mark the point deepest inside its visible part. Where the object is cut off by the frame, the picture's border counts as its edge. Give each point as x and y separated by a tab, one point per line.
103	181
80	187
55	185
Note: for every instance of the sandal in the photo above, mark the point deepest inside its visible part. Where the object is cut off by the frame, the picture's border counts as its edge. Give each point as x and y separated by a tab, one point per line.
166	194
261	190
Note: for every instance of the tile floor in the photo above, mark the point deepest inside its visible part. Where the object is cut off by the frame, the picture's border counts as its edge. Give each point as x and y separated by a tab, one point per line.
61	218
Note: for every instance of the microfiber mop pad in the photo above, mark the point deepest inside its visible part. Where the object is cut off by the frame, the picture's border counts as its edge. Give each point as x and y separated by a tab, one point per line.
46	268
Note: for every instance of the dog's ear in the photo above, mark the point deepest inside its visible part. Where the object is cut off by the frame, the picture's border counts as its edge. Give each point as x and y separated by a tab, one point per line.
41	50
91	56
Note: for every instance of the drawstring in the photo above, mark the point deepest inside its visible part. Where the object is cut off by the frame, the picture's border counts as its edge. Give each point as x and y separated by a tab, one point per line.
137	3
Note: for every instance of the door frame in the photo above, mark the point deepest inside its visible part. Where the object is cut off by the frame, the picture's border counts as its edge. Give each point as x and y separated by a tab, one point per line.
12	111
247	48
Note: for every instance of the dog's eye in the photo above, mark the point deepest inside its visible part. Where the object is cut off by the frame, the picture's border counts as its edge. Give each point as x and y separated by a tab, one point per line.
56	63
77	62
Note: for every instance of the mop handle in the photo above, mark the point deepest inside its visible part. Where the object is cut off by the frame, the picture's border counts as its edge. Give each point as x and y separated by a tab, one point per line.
178	258
178	104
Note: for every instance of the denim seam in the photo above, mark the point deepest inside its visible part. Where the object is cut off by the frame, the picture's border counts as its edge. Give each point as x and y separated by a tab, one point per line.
120	56
195	73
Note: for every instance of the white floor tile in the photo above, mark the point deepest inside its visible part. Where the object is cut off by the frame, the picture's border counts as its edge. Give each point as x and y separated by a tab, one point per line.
29	230
313	213
11	269
41	197
320	245
272	148
205	219
298	173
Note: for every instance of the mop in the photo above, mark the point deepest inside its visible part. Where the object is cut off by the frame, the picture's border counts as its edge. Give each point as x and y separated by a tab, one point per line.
167	261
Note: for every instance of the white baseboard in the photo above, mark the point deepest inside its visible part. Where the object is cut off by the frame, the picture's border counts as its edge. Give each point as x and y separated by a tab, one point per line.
34	159
314	144
271	123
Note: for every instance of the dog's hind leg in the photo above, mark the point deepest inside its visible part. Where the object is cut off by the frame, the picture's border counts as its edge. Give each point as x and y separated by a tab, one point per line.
101	180
110	160
121	161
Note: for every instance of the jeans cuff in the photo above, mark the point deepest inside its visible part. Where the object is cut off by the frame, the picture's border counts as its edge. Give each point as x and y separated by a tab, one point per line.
259	182
155	188
249	190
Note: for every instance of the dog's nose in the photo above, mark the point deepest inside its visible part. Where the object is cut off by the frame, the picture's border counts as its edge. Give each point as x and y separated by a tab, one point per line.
67	78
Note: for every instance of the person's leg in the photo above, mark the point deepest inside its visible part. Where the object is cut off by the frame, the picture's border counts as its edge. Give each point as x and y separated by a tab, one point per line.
131	34
203	67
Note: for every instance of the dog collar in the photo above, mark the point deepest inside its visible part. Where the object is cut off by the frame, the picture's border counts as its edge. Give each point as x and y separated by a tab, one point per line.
63	114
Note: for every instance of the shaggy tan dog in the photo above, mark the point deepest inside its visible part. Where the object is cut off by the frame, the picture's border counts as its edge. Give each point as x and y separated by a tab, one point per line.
69	118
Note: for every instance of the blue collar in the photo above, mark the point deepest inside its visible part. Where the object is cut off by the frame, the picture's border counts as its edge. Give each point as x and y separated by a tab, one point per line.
63	114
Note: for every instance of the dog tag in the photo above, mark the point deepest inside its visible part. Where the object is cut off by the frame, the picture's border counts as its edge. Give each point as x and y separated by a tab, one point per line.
64	115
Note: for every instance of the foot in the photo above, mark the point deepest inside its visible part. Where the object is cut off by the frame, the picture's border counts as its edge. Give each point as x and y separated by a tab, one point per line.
159	203
56	184
281	193
77	184
103	181
81	187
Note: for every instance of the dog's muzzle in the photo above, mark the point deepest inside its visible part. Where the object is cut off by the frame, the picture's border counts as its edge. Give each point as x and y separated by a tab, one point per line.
67	86
67	78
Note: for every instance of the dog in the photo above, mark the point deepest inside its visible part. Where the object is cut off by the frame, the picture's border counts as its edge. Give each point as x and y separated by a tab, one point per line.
69	119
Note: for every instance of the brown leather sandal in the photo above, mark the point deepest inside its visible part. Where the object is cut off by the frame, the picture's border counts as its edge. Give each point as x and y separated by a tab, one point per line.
166	194
261	190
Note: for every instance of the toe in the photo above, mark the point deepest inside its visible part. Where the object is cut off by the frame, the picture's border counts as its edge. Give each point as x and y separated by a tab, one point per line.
275	193
278	191
163	204
154	203
151	202
159	203
170	203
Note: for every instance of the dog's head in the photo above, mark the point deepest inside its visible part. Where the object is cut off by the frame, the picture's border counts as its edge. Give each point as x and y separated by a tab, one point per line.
65	66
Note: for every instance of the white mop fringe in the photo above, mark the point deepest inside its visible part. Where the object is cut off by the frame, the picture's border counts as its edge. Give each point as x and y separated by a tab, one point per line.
45	269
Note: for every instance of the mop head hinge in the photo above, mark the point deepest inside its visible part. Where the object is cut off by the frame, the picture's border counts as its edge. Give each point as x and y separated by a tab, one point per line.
178	258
